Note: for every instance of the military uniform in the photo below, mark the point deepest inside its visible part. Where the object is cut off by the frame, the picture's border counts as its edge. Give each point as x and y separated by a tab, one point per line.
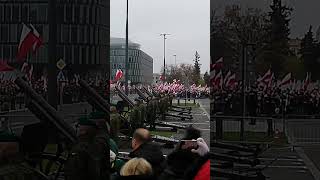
88	159
14	167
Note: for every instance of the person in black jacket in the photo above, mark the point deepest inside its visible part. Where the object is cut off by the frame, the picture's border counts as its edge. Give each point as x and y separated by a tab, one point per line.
144	148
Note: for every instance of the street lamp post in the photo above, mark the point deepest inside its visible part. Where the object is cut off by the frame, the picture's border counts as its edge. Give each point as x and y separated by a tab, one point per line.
52	54
244	83
127	51
175	59
164	55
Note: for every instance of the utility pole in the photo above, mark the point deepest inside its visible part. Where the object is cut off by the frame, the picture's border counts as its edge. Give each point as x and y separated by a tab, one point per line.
164	55
127	51
52	54
175	59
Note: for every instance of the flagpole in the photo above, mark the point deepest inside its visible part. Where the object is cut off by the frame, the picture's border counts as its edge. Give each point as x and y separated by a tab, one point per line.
127	51
52	72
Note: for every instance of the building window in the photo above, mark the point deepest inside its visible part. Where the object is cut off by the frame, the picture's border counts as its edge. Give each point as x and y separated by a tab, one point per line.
66	33
7	11
42	12
74	34
16	14
68	13
13	33
1	16
4	30
33	13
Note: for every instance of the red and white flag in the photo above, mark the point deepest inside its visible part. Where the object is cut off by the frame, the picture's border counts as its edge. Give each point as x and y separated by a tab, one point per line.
119	75
266	77
231	81
217	65
227	78
218	80
306	82
4	67
39	41
286	80
30	39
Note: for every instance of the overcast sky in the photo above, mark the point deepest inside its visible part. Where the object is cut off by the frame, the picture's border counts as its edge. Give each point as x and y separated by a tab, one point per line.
186	20
305	12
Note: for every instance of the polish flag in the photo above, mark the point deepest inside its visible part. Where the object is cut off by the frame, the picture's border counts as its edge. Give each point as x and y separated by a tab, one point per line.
119	75
286	80
218	80
265	77
39	41
231	81
4	67
30	39
218	64
306	82
161	78
227	77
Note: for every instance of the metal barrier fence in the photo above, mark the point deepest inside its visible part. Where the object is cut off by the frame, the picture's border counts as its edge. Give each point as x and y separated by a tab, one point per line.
303	131
239	125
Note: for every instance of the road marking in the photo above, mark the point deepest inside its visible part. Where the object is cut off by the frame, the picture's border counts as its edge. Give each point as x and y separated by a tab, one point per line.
189	123
276	166
280	159
312	168
202	107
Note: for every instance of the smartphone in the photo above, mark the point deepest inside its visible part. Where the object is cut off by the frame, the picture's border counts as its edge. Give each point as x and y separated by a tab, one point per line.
189	144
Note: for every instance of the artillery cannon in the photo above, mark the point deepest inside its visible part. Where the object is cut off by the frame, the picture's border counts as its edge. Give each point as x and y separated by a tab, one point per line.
137	117
165	106
152	113
57	131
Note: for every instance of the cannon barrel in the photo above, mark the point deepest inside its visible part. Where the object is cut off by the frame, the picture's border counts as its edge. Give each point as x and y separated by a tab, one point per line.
125	97
148	92
46	113
94	98
140	93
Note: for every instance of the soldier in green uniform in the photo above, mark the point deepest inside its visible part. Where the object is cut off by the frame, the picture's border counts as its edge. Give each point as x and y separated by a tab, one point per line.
88	159
12	164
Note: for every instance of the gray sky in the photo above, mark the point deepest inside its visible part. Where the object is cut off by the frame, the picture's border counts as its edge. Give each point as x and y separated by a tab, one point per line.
305	12
188	22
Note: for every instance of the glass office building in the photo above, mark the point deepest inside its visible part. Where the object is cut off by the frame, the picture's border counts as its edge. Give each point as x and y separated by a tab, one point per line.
82	32
140	64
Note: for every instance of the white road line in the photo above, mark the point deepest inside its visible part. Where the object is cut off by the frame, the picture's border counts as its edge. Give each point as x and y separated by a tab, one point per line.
312	168
281	159
201	106
189	123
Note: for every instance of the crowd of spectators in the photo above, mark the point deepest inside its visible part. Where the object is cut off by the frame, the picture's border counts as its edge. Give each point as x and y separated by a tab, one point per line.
147	161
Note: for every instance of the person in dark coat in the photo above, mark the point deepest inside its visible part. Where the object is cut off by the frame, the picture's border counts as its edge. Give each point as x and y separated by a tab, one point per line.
144	148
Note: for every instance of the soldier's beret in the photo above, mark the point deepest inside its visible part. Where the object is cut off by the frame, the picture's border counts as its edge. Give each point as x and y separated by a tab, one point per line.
97	115
8	137
86	122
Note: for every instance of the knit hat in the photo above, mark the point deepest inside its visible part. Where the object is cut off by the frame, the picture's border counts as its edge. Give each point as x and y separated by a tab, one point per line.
97	115
8	137
86	122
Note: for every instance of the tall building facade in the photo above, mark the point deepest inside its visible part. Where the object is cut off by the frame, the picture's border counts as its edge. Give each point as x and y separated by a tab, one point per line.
82	32
140	65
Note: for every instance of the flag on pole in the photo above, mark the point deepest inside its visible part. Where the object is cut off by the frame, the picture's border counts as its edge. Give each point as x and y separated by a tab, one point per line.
118	75
218	80
218	64
227	77
266	77
306	82
30	39
231	81
4	67
286	80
